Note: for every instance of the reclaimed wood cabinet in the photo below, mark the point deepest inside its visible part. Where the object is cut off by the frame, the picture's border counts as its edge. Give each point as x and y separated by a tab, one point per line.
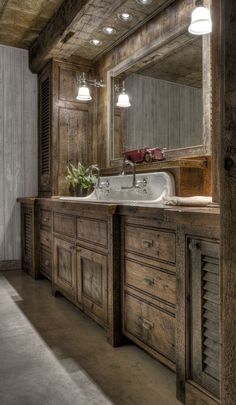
66	125
45	241
204	315
92	283
149	286
64	262
29	237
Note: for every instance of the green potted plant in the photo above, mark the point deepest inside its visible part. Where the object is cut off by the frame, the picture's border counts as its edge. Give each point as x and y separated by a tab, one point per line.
80	179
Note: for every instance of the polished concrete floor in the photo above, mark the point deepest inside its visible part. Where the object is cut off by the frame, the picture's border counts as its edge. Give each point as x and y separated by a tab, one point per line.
50	353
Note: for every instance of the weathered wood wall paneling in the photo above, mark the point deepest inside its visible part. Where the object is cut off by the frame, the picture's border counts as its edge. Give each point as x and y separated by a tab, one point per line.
162	114
18	144
228	200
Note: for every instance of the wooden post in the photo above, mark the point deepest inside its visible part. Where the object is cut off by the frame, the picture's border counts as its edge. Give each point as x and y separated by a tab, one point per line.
228	200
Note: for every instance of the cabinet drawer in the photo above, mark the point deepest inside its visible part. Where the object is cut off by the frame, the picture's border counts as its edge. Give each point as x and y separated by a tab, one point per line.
159	283
45	218
92	230
150	325
45	238
64	224
157	244
45	263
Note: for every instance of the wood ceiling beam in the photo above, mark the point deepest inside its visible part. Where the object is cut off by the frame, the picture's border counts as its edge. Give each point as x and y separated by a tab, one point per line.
56	29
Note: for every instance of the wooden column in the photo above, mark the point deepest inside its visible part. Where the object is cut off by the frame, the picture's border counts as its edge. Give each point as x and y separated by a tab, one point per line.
228	200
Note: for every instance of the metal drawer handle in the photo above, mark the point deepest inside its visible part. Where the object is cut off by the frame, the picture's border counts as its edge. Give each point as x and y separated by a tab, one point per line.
147	243
46	219
46	263
149	281
147	324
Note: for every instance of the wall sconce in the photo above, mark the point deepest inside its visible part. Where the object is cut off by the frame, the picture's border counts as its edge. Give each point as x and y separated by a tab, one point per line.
201	22
83	91
123	98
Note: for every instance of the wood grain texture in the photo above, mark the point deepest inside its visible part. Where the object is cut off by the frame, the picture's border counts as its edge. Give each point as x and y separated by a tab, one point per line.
162	114
18	144
228	193
22	20
70	30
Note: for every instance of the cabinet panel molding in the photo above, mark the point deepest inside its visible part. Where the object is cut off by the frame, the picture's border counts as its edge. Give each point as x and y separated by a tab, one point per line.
92	282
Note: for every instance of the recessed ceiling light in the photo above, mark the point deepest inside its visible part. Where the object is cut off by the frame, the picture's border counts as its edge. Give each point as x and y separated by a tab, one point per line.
144	2
95	42
126	17
109	30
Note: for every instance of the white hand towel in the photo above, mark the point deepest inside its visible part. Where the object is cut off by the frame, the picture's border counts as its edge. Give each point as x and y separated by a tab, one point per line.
197	201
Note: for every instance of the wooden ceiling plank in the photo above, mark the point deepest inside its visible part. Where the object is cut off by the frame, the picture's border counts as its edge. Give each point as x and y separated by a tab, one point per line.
53	32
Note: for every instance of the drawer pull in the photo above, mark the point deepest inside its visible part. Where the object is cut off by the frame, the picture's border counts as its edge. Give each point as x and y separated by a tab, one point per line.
46	263
46	219
149	281
147	243
147	324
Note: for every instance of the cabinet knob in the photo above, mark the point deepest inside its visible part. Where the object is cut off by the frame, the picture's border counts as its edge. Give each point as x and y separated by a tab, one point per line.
147	243
46	219
147	324
46	263
149	281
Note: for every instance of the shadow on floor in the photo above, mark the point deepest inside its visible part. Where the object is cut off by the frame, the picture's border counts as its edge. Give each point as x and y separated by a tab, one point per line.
76	345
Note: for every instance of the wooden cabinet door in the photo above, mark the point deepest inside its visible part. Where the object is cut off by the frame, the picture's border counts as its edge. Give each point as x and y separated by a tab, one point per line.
64	273
204	314
28	230
45	112
92	282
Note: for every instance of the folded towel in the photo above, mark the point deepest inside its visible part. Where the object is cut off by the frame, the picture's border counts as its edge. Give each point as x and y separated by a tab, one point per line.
197	201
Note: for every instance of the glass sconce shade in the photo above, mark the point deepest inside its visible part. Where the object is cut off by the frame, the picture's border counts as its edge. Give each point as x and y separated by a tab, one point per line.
84	93
201	22
123	100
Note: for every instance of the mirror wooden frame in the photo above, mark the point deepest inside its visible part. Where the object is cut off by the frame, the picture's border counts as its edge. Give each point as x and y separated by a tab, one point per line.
205	149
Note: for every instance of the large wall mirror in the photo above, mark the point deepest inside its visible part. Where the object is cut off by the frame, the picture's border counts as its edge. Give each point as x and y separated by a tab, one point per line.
170	96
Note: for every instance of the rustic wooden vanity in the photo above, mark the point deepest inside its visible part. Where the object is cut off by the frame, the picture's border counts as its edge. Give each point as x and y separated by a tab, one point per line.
147	273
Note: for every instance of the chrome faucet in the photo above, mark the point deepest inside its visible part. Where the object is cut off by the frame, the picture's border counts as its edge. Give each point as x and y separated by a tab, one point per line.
96	168
127	162
100	184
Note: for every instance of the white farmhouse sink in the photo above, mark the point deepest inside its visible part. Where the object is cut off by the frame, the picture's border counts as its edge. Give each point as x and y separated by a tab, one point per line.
150	189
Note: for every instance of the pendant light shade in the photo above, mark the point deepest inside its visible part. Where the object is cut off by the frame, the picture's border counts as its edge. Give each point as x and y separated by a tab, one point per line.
123	99
84	93
201	22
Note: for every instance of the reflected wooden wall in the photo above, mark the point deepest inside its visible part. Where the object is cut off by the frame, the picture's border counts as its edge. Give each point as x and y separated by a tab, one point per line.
162	114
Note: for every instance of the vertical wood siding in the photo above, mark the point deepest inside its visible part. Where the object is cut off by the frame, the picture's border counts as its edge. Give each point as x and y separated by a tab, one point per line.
18	144
163	114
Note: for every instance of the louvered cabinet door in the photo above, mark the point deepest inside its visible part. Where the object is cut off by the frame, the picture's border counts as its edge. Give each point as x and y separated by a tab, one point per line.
45	132
28	240
205	314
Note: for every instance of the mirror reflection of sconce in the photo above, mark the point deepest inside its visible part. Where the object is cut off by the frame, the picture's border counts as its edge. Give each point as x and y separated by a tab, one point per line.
201	22
84	91
123	98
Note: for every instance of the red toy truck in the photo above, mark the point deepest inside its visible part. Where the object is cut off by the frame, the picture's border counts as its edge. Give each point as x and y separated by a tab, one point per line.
144	155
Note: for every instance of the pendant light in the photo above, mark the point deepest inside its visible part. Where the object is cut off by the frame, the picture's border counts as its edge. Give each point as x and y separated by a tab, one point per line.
123	99
201	22
83	91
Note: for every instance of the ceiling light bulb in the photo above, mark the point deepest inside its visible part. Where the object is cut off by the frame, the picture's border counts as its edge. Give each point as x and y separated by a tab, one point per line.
144	2
84	93
109	30
96	42
125	17
201	22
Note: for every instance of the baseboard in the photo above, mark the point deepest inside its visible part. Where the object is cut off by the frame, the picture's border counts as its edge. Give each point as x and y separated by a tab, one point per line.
10	265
